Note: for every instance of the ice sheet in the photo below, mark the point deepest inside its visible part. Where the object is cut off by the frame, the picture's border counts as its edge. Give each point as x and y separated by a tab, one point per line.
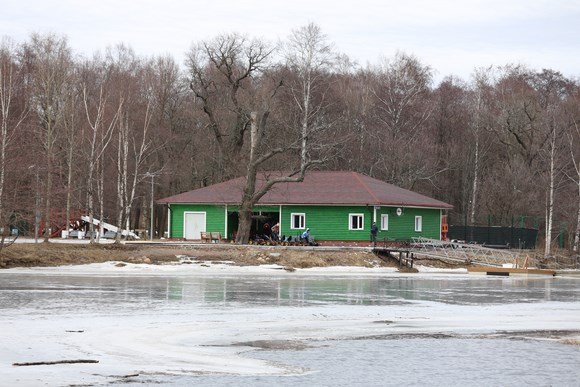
136	335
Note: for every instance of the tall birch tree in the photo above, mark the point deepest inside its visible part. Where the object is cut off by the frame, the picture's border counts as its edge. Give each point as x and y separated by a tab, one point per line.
573	136
136	145
310	56
101	124
478	127
552	91
11	116
73	135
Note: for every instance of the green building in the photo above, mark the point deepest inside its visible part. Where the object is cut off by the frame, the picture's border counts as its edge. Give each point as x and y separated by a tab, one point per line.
336	206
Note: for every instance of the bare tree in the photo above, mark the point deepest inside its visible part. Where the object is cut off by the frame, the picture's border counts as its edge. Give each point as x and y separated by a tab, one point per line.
223	74
552	90
101	131
554	155
72	137
478	128
519	114
127	180
402	109
573	135
518	140
11	118
552	148
311	57
237	89
51	61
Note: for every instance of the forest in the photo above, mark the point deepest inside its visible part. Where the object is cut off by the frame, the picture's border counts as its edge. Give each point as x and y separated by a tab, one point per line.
105	135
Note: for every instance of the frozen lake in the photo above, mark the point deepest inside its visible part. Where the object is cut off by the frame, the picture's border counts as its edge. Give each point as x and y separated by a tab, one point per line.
224	325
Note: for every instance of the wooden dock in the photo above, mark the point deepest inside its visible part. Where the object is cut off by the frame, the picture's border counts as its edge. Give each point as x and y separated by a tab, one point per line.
508	271
404	258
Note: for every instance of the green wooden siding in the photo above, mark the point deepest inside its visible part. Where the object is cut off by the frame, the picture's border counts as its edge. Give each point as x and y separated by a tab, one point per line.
328	222
325	222
214	217
332	222
403	227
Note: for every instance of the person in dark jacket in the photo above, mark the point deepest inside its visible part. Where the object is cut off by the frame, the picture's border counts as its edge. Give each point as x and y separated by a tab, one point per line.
374	232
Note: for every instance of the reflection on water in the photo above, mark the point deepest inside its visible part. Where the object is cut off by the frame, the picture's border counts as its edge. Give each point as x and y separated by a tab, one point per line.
54	291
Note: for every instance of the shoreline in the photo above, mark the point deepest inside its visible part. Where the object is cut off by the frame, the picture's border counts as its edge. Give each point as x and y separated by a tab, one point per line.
226	269
289	257
334	259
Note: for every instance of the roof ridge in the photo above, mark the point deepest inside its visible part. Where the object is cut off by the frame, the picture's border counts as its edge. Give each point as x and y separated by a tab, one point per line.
377	201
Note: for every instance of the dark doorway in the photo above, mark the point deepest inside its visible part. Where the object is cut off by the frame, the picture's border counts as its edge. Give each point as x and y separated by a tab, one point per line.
262	223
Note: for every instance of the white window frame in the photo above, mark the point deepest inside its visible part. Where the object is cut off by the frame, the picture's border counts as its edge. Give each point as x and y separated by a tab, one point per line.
301	214
384	225
362	222
419	224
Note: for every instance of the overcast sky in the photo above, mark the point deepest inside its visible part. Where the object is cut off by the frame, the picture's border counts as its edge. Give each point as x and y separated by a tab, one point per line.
453	37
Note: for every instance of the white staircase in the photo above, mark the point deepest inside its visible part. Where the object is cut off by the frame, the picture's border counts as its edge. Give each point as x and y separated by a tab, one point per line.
110	227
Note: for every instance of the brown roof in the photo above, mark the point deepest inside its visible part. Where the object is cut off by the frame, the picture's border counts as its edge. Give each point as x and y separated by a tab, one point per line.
323	188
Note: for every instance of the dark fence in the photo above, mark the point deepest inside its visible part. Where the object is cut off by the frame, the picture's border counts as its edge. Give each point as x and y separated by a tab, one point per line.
522	238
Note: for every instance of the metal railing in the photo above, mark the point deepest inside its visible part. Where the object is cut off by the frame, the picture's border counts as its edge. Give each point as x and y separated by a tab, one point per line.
464	252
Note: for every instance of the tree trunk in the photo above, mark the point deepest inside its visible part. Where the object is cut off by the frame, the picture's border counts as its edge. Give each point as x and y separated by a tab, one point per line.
248	202
305	117
91	201
2	166
90	180
245	225
247	208
69	184
475	182
101	196
130	196
550	204
47	208
120	190
576	247
5	97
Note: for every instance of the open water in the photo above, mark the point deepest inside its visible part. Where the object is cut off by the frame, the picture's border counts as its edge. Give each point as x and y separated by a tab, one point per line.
418	362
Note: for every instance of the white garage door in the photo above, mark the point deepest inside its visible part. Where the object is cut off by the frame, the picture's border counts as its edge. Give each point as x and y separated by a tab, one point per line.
193	224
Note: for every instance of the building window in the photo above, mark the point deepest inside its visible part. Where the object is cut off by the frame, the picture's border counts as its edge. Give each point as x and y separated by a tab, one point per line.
356	222
384	222
418	223
297	221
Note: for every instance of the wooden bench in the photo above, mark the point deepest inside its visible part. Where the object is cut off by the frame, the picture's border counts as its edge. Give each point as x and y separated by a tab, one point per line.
209	237
216	236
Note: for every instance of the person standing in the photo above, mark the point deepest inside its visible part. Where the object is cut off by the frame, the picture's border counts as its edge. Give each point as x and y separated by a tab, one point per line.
267	230
275	231
374	232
